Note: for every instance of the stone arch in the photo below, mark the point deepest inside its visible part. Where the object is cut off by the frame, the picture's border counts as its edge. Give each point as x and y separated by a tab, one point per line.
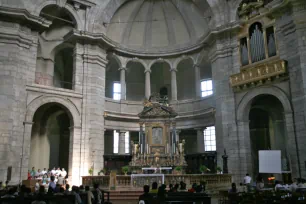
184	57
68	105
116	58
68	7
144	64
159	60
245	103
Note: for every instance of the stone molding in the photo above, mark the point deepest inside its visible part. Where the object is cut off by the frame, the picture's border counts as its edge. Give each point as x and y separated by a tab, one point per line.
33	21
245	103
53	90
20	39
39	101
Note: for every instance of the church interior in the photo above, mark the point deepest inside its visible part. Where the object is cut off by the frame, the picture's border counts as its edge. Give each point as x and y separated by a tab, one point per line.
206	94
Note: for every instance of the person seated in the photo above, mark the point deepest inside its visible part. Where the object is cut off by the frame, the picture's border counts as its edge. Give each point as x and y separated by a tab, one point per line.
182	187
52	183
233	188
293	186
193	188
300	183
161	195
60	191
10	193
67	191
175	188
259	183
278	186
146	197
39	200
170	188
199	189
90	196
154	188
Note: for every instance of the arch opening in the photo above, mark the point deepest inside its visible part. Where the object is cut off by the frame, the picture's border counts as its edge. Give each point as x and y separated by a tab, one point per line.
185	89
50	137
112	76
55	60
267	129
161	79
135	81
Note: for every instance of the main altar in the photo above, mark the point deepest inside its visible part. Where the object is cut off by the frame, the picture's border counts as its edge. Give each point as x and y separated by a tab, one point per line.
158	145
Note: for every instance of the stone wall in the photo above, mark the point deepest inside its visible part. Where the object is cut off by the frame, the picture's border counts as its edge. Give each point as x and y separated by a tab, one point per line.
18	48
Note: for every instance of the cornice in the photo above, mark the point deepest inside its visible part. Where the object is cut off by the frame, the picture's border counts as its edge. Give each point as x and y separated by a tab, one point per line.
107	43
13	14
53	91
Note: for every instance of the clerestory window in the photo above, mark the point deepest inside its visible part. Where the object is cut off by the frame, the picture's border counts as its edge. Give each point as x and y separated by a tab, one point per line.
116	91
206	88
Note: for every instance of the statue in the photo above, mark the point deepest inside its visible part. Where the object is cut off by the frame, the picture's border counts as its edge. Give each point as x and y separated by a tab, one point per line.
156	156
225	168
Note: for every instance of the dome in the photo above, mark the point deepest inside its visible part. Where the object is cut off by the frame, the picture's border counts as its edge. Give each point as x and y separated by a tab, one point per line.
159	25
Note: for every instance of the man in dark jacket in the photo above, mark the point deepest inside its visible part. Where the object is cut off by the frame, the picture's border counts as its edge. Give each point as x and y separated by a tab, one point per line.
146	197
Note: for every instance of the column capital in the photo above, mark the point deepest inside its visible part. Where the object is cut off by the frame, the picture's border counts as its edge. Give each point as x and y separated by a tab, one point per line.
122	131
200	128
173	69
122	68
147	70
196	66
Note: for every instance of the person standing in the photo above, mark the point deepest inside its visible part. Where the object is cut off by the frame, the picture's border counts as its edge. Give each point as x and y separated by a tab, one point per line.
97	194
247	181
52	183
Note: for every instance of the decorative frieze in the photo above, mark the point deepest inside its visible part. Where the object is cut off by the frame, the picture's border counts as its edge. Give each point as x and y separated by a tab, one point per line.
258	74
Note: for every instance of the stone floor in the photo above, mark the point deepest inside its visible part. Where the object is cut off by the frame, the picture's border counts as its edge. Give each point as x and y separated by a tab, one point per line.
213	201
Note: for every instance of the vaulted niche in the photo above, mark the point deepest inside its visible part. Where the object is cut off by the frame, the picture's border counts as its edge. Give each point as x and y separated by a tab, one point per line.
185	80
161	79
135	81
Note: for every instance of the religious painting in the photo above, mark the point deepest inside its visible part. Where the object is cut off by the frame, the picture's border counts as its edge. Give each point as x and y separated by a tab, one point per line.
157	136
159	149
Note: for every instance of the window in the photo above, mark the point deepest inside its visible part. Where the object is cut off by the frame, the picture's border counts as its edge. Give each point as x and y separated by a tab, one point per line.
210	138
126	142
117	91
116	142
206	88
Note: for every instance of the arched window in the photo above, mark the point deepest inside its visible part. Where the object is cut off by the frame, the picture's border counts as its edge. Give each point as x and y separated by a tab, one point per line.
257	44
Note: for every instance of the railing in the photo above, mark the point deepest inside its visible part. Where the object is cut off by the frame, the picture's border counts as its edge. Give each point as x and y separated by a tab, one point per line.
258	74
212	180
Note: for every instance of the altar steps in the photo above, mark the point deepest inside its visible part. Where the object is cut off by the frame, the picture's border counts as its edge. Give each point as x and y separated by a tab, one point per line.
124	195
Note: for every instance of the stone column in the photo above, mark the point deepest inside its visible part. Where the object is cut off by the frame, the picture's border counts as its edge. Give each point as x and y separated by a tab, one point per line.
25	150
173	84
75	158
148	83
197	80
93	106
200	141
123	83
121	142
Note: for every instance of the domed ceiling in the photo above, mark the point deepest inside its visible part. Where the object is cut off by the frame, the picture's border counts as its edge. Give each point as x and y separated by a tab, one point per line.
159	25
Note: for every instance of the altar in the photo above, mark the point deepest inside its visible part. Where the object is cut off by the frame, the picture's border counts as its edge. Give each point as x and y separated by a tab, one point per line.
158	144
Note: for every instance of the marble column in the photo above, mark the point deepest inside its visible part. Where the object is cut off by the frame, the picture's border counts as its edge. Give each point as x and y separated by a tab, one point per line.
177	134
123	83
173	84
200	140
197	80
148	83
121	142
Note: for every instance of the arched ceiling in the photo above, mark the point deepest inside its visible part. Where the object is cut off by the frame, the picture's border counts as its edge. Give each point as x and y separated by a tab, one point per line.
153	25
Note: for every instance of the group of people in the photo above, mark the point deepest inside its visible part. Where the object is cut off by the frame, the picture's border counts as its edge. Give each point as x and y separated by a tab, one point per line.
161	191
44	177
259	185
93	196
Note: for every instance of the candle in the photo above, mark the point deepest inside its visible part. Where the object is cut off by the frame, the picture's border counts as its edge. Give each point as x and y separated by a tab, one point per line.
147	149
141	148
